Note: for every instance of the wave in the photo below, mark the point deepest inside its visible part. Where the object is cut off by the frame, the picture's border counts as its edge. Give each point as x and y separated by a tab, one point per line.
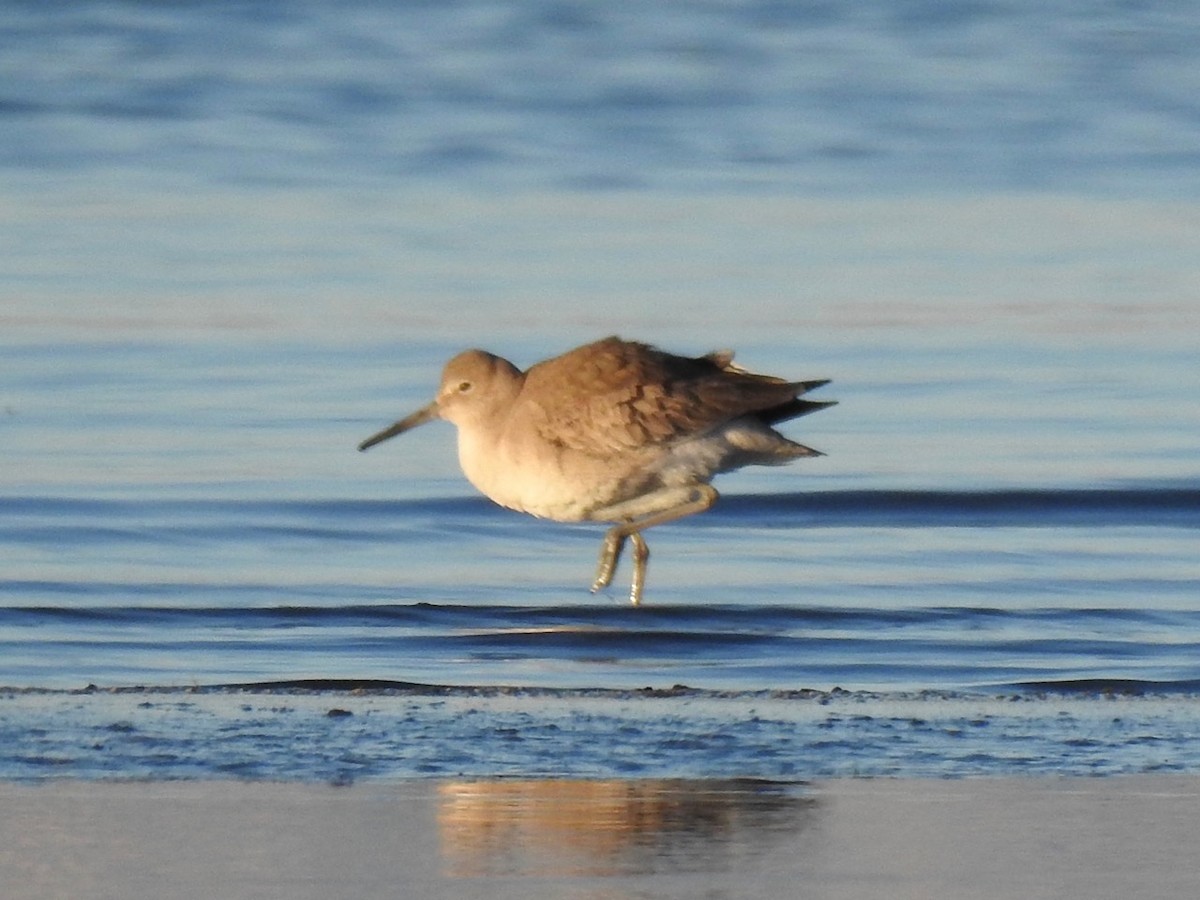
730	647
1083	689
596	618
1021	507
68	520
1112	687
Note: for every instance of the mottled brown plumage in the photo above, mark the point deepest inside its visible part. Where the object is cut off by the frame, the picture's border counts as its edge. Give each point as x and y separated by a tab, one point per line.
613	431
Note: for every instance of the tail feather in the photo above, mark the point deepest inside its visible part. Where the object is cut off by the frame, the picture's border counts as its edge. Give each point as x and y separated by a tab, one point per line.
766	385
796	407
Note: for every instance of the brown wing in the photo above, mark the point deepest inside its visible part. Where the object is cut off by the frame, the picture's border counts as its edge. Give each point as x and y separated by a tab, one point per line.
615	394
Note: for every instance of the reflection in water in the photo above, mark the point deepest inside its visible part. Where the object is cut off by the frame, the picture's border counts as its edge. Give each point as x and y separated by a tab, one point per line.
617	827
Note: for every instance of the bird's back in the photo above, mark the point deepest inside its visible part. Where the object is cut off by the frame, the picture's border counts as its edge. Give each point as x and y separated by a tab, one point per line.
616	396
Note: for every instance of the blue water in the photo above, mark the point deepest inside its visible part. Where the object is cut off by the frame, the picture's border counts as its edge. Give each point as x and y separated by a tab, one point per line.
868	590
561	94
236	240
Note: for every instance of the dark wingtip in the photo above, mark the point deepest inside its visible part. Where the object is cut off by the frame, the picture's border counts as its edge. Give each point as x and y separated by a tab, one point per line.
805	450
798	408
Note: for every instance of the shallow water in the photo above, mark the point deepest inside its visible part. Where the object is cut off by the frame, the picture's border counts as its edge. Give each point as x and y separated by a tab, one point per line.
224	271
866	589
192	586
346	732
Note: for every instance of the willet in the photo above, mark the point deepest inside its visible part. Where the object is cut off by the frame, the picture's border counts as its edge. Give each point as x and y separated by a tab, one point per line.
613	431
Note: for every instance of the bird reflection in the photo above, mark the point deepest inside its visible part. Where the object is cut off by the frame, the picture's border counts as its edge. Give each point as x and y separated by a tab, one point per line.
617	827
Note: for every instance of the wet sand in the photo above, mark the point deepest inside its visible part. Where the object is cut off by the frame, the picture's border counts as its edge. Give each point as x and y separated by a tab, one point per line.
604	840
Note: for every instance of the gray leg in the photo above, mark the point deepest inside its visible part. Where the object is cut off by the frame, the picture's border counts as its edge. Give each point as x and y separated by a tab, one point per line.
610	552
641	554
687	502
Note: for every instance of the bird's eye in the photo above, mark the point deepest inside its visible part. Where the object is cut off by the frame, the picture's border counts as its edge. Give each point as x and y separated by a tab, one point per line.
464	387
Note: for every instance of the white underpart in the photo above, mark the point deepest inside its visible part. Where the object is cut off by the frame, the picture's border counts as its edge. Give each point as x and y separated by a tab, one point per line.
533	483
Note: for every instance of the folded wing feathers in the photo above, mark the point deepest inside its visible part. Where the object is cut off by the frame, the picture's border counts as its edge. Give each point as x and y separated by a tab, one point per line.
651	396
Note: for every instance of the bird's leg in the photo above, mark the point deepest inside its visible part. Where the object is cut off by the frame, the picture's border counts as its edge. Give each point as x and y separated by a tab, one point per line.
610	552
695	499
641	554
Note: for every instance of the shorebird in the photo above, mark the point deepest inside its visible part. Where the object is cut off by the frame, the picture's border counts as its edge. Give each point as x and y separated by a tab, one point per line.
613	431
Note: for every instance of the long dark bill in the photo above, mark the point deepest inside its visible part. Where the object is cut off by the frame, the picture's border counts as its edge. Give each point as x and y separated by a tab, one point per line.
420	417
